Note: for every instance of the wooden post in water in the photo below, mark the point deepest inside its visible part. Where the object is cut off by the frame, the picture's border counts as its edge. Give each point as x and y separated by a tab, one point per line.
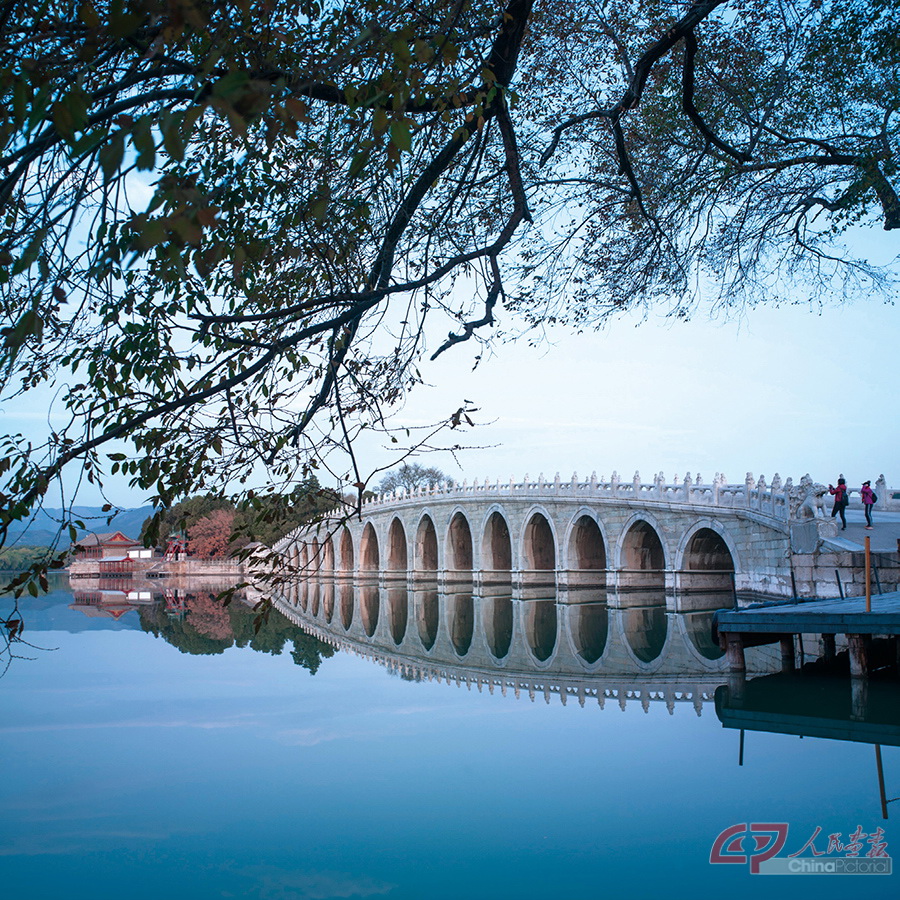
880	768
859	699
734	652
859	655
787	653
868	574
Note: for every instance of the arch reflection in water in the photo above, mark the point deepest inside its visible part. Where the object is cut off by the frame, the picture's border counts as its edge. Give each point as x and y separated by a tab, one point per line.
427	616
646	624
368	607
498	625
540	627
461	612
398	613
347	595
590	629
698	626
634	646
303	595
328	600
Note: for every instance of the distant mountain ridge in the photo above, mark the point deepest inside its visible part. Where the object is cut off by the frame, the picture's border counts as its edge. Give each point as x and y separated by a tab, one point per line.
41	530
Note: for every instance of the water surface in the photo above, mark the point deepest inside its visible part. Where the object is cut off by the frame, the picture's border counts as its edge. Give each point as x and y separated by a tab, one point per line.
176	752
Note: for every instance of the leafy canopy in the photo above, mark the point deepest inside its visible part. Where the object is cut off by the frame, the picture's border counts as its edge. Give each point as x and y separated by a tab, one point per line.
226	222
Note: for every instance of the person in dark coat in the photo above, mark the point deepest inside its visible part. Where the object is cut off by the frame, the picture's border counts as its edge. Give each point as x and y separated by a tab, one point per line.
841	499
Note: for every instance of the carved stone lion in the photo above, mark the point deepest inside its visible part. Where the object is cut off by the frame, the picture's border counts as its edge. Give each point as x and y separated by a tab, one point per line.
807	500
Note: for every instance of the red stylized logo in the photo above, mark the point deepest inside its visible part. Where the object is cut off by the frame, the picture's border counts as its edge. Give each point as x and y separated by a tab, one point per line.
767	838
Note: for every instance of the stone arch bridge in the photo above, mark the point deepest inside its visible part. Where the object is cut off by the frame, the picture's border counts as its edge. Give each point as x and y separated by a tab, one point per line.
621	536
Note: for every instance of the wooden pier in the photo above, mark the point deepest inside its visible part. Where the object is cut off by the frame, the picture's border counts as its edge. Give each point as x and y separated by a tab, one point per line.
737	629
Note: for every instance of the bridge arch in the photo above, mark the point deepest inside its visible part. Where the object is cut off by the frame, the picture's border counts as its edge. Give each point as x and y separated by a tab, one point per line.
496	543
368	549
459	553
328	556
538	541
426	549
586	542
294	563
397	553
304	558
315	560
707	546
641	554
347	563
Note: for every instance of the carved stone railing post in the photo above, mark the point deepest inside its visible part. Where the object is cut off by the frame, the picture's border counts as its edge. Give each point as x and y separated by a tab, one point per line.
881	489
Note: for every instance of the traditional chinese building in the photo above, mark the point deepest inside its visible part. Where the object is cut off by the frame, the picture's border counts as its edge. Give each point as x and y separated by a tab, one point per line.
107	546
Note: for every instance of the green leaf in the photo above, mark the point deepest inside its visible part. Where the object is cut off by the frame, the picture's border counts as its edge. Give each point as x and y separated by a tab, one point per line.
172	138
111	156
358	163
144	143
401	136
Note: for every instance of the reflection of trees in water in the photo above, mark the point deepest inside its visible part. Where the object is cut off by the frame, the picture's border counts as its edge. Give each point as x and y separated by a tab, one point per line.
211	627
209	617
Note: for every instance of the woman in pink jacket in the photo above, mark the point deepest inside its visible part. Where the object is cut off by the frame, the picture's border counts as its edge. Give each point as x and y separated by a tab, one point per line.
868	499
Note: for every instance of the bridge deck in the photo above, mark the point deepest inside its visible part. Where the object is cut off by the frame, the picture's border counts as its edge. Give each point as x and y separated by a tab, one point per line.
847	616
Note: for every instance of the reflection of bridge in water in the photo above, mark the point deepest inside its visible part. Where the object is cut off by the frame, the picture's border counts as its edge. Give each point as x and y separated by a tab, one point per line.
582	645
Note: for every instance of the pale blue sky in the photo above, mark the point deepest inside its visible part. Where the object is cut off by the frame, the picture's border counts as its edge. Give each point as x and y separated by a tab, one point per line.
784	390
788	389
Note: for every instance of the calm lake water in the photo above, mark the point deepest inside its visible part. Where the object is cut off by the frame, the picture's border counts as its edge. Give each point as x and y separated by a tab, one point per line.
165	749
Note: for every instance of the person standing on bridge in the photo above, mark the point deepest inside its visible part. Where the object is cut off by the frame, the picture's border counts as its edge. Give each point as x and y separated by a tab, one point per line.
841	499
868	499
